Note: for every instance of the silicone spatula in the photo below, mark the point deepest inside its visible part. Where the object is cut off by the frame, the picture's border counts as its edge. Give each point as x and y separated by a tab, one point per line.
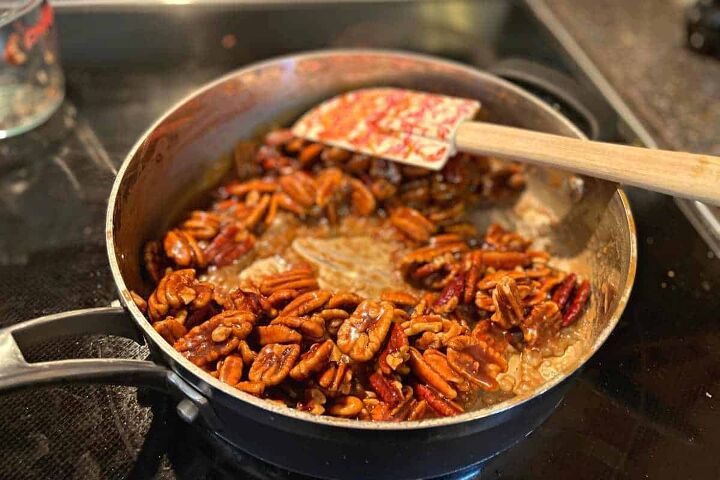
424	129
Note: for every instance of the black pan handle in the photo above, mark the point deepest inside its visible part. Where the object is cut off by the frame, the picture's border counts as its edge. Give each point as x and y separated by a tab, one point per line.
587	109
16	372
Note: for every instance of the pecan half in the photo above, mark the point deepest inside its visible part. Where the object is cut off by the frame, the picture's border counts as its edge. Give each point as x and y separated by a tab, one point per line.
501	239
362	335
183	249
246	352
335	155
306	303
202	225
480	351
280	298
495	337
543	322
401	316
312	361
417	411
430	253
277	334
437	273
344	300
336	378
377	411
362	201
309	154
479	364
450	329
312	328
230	244
386	389
471	370
446	216
273	363
439	362
408	409
578	304
239	321
314	402
441	405
300	187
170	329
262	185
507	302
505	260
422	323
272	210
491	280
286	202
541	288
253	388
451	295
154	260
214	338
346	407
178	294
462	229
412	224
474	268
415	193
329	314
294	145
242	301
562	293
139	301
358	163
396	351
424	372
282	200
428	340
333	318
329	182
300	279
483	301
399	298
382	189
253	218
230	370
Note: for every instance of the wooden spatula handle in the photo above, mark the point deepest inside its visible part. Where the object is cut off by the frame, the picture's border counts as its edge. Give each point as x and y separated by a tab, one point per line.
676	173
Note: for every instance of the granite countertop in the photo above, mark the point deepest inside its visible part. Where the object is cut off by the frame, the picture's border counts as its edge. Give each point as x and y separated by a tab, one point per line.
639	46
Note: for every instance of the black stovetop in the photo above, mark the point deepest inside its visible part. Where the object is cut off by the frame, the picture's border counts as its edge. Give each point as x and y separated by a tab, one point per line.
646	405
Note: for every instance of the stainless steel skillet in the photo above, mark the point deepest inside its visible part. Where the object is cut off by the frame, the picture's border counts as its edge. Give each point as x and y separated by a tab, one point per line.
585	222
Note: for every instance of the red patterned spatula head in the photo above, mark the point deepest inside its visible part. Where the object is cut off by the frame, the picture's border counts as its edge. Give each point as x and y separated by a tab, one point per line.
405	126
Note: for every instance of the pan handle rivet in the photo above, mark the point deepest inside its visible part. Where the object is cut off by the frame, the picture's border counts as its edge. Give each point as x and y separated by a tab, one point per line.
187	410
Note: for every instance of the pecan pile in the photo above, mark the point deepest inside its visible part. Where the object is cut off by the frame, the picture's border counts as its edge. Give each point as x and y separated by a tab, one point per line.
470	301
